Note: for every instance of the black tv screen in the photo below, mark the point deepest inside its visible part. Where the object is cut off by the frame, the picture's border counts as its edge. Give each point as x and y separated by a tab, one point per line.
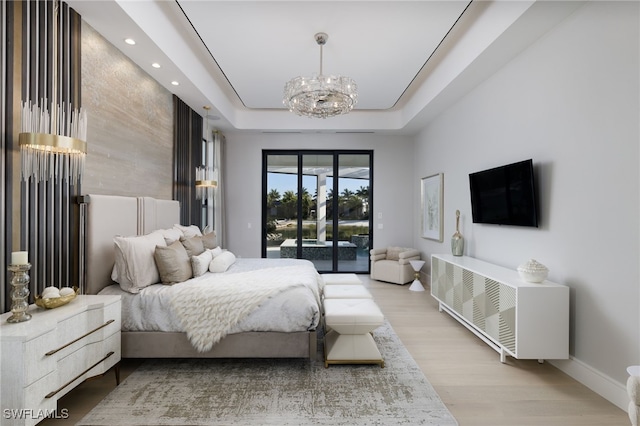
505	195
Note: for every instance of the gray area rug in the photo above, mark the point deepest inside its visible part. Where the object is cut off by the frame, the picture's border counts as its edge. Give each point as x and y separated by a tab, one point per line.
276	392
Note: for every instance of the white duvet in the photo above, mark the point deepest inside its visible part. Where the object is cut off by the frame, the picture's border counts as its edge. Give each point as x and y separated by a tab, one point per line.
290	308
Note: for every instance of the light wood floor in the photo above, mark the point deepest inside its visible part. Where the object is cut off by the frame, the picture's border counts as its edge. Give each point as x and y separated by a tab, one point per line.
466	373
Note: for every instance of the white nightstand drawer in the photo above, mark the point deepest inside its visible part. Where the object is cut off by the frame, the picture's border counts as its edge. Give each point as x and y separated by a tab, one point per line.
112	312
46	357
25	405
79	330
113	344
81	364
35	394
35	363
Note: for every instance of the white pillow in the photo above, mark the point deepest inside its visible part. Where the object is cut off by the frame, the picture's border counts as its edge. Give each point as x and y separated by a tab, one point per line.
171	235
189	231
200	263
216	251
135	263
222	262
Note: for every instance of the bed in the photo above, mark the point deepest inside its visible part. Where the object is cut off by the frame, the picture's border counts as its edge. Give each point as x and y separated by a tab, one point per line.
156	326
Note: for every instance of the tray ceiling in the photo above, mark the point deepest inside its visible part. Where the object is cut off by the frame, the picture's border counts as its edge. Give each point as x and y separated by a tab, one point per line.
410	59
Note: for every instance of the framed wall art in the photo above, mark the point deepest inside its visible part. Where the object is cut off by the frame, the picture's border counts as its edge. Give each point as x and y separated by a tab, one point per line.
432	195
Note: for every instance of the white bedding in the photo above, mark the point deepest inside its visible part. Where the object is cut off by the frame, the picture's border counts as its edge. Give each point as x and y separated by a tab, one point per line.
294	309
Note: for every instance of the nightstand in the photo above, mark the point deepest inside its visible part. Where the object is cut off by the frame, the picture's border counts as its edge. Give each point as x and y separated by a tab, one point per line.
44	358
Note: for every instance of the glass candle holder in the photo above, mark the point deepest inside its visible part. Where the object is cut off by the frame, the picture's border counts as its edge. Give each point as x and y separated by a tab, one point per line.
19	293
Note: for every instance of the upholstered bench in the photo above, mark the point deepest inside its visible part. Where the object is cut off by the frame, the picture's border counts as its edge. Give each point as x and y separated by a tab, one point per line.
350	341
340	279
346	291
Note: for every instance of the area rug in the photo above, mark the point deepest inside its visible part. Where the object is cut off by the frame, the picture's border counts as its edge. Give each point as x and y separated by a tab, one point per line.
276	392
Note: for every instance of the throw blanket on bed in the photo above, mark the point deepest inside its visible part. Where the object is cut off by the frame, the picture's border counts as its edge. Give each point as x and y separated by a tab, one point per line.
208	309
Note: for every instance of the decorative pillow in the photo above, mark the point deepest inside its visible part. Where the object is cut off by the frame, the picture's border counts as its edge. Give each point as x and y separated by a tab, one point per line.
135	266
173	263
216	251
171	235
210	240
189	231
193	245
222	262
393	253
200	263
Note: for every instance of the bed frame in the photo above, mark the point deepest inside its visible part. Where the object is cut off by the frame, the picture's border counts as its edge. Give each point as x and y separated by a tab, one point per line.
107	216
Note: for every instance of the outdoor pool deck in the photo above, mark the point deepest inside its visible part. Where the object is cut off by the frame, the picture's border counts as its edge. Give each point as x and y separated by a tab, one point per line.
314	250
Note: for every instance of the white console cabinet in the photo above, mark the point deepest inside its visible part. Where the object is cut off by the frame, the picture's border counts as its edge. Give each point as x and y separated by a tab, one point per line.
514	317
44	358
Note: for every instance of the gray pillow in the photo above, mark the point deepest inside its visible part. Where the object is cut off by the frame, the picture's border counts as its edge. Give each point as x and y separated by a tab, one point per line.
174	264
210	240
193	245
393	253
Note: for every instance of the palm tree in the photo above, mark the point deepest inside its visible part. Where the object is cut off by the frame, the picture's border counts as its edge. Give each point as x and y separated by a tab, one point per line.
330	203
347	194
273	197
363	192
307	203
349	203
289	204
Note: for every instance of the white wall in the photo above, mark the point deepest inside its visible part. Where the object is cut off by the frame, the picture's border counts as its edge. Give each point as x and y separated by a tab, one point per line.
392	187
569	102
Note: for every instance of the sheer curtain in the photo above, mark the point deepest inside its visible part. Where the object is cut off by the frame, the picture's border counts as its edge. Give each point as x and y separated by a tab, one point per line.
219	218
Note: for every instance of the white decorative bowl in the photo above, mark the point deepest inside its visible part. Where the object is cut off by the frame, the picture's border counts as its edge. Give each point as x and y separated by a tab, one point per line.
533	272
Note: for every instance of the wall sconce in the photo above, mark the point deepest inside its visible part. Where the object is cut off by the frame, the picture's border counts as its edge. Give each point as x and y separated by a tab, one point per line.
52	140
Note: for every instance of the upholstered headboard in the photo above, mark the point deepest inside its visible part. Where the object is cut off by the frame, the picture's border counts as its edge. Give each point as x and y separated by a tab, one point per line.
111	215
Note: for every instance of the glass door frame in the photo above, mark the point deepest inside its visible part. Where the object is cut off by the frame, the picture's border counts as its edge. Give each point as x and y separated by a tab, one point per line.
300	153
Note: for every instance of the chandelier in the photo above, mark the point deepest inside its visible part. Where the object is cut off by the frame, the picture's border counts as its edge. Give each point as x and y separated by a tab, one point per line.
320	95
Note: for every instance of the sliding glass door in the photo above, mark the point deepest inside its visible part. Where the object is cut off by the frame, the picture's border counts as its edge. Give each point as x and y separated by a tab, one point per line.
316	206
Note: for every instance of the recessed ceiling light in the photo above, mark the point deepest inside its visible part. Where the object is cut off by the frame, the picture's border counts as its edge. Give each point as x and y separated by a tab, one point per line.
155	65
175	83
130	41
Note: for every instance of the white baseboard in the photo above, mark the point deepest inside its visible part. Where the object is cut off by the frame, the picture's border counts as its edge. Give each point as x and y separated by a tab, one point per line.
600	383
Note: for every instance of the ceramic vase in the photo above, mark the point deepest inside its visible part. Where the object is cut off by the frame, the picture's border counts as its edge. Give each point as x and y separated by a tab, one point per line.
457	241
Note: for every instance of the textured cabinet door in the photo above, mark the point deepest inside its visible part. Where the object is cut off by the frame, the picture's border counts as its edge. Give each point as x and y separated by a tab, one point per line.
500	313
44	358
520	319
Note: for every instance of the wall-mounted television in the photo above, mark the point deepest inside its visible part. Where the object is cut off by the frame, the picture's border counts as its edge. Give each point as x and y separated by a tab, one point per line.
505	195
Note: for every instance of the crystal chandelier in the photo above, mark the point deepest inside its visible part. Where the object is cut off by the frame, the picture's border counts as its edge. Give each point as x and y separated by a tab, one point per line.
320	95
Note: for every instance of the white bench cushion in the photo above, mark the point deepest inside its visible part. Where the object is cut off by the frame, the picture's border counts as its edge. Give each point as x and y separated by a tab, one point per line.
331	279
346	291
352	316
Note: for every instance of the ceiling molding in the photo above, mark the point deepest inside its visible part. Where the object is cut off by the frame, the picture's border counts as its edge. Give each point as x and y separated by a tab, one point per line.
262	44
